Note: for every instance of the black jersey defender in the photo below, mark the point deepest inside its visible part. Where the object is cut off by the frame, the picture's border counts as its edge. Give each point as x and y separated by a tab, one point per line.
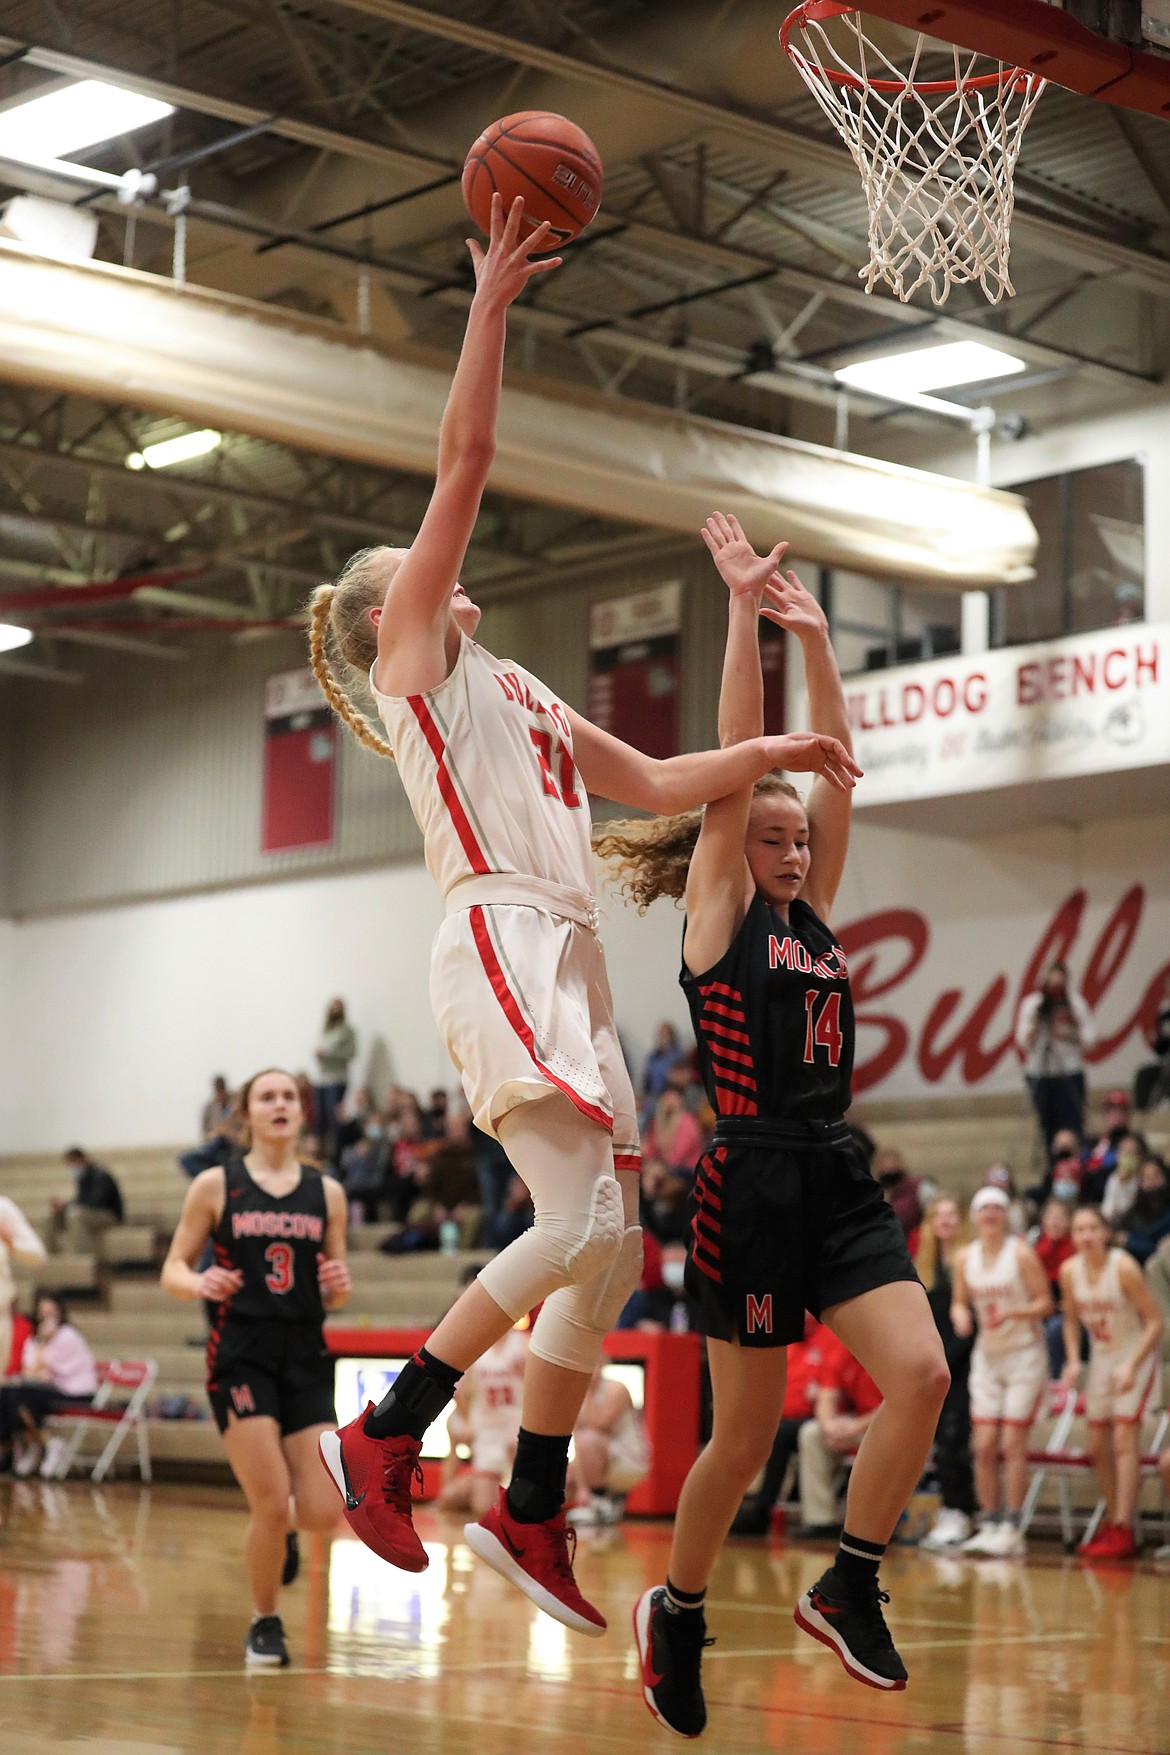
266	1353
786	1214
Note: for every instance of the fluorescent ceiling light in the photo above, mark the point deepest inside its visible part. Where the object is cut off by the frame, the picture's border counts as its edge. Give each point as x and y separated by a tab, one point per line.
11	636
920	370
71	117
179	450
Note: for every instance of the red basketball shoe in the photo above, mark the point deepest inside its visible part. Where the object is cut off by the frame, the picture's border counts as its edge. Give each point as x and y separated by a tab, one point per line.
538	1559
374	1477
1112	1542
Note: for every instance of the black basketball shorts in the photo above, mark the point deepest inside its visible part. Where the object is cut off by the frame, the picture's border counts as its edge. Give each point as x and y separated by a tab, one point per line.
279	1369
786	1218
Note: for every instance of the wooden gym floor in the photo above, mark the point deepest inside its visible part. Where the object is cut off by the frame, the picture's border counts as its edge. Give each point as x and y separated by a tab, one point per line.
122	1615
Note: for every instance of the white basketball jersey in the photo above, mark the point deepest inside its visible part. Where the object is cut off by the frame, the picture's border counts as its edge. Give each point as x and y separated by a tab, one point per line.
996	1288
1111	1318
498	1383
487	762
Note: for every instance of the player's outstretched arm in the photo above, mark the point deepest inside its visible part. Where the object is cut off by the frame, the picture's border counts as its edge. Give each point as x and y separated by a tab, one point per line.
830	811
719	883
612	769
413	624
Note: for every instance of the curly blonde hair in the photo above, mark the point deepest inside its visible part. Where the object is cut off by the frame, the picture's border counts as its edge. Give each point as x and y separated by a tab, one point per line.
343	642
652	859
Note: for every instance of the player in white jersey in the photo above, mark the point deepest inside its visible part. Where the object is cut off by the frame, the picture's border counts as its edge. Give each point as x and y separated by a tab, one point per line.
1001	1287
497	770
1104	1292
488	1400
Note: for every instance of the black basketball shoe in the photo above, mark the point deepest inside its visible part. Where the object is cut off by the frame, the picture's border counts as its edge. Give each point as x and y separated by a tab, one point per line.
671	1650
265	1644
854	1627
292	1558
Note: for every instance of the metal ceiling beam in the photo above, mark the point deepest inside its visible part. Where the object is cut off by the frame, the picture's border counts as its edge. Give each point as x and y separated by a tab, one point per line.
812	155
205	103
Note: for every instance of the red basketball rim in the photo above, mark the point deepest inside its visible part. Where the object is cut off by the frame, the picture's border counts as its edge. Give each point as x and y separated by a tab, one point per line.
812	11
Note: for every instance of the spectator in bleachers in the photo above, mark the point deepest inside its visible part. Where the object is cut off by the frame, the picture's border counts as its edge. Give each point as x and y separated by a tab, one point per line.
1148	1219
221	1130
434	1116
942	1236
662	1058
365	1166
1053	1029
17	1238
449	1189
1065	1174
900	1188
1101	1158
1151	1084
514	1218
409	1151
336	1048
847	1401
57	1372
674	1138
78	1224
1121	1190
355	1112
663	1202
493	1172
802	1386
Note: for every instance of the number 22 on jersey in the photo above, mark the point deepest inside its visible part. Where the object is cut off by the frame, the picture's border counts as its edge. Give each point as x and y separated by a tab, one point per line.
556	760
823	1031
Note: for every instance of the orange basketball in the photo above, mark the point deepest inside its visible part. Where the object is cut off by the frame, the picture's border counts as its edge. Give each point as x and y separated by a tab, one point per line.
548	160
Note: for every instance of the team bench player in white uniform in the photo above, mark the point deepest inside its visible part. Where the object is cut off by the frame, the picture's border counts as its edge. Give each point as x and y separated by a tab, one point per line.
999	1278
497	770
1104	1292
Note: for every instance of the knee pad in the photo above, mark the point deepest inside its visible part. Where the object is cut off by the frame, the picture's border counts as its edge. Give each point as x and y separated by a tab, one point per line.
576	1319
601	1241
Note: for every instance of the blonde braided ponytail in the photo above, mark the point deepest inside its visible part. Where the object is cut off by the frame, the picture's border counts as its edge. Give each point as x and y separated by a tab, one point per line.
320	623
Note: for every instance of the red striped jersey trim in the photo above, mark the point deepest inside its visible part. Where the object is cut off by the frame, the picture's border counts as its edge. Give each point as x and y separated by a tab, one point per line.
713	1007
730	1075
721	987
711	1273
711	1028
511	1010
476	857
732	1056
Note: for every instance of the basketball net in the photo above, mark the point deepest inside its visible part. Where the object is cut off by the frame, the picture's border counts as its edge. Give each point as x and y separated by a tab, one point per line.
936	156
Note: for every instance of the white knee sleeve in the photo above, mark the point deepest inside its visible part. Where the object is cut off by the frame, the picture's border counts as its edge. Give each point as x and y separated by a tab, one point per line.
567	1164
575	1321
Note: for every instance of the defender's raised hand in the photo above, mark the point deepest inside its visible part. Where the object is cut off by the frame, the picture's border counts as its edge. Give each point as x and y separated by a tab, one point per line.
743	571
789	605
503	270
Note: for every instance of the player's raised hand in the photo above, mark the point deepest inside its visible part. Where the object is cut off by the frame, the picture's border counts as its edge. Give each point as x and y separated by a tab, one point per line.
743	571
789	605
812	752
503	270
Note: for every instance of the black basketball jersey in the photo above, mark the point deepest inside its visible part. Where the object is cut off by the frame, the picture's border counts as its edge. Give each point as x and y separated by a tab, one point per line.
774	1019
275	1244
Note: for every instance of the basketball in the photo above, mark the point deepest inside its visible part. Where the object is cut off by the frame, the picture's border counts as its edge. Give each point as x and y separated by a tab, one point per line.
545	158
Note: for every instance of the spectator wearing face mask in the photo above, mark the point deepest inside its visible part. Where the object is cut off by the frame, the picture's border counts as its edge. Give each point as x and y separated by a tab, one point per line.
1065	1174
900	1188
1148	1219
1054	1028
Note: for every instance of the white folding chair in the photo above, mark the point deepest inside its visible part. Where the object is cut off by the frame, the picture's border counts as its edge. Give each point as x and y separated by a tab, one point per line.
114	1376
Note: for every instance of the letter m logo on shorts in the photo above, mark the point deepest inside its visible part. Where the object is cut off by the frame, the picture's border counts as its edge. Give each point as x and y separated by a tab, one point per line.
759	1314
244	1403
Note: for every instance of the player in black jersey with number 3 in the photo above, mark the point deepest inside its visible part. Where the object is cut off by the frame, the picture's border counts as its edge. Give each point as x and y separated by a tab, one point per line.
787	1217
278	1229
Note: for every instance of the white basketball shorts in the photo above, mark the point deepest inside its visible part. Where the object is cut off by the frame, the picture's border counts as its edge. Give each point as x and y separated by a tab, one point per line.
1008	1389
522	999
1103	1404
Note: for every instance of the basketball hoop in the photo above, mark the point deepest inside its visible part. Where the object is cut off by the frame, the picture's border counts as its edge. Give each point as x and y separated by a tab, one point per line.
936	156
